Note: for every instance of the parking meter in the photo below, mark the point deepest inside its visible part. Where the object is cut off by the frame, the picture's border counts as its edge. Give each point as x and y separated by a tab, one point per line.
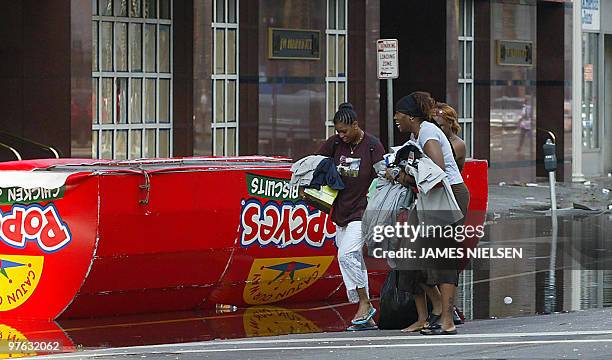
550	156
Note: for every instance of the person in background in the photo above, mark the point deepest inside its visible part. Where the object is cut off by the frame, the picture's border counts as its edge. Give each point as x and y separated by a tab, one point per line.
446	117
354	152
524	123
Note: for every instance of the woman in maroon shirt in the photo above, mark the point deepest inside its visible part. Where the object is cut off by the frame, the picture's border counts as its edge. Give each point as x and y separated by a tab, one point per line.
354	152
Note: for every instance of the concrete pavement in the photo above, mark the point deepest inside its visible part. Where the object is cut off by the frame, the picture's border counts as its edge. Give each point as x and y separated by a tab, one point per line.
520	199
577	335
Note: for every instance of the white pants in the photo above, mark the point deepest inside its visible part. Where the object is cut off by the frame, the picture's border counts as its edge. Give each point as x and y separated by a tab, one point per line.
350	258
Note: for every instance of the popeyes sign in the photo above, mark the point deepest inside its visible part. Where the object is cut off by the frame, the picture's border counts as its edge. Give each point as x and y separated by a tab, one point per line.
281	221
34	222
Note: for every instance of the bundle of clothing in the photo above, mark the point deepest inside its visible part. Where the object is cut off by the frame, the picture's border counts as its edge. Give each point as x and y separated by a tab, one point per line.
385	206
315	171
436	203
430	202
318	181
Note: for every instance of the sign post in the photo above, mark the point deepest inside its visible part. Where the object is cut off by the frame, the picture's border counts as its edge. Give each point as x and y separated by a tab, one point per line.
388	68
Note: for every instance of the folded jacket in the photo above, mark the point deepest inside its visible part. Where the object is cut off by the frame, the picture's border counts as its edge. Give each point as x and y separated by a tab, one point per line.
303	170
428	175
327	174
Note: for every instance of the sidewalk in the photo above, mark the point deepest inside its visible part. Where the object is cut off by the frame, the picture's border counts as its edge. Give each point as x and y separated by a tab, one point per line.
522	199
580	334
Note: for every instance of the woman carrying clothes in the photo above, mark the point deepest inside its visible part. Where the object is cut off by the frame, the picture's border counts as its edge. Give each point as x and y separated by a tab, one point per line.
414	114
446	117
354	152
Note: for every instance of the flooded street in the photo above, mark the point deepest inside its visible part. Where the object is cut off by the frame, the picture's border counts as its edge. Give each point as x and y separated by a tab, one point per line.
564	269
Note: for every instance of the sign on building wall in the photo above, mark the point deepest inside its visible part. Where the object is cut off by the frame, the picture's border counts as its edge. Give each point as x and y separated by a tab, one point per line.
294	44
514	52
590	15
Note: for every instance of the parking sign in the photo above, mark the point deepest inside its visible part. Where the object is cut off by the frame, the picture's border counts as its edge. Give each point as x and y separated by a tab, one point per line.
387	59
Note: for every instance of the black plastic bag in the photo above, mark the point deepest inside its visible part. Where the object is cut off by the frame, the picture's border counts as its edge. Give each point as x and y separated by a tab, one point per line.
397	307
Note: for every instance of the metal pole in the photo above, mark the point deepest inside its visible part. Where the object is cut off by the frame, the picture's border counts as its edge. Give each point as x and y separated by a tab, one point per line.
550	302
550	164
553	192
390	122
577	175
551	289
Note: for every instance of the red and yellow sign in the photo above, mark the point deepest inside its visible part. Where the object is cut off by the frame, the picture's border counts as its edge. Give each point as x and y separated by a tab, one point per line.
275	279
19	277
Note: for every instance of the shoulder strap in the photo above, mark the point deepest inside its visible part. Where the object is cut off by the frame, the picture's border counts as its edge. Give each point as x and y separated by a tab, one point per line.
452	149
336	143
373	142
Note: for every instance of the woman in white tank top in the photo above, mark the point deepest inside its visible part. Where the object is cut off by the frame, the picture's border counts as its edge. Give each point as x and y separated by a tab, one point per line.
413	114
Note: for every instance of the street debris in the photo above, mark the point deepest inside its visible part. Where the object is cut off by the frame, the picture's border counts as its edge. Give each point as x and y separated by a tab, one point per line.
605	191
225	308
531	185
502	183
529	198
582	207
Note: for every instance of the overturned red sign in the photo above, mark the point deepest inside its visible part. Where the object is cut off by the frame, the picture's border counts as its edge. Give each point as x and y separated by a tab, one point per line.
160	236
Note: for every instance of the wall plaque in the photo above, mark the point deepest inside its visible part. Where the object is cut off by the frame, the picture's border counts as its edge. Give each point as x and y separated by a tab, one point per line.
294	44
514	52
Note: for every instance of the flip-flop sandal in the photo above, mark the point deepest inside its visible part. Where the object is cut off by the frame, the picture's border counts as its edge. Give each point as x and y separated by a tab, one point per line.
365	319
439	331
363	327
432	321
432	326
409	331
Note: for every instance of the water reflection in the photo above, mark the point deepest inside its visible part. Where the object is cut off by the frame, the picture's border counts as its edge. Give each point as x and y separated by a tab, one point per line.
203	326
152	329
578	251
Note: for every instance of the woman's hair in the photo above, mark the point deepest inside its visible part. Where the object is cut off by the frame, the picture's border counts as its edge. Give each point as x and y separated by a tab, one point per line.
345	114
418	104
449	115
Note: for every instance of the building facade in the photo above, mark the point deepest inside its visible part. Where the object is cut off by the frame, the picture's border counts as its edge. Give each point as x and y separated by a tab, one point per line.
125	79
596	87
